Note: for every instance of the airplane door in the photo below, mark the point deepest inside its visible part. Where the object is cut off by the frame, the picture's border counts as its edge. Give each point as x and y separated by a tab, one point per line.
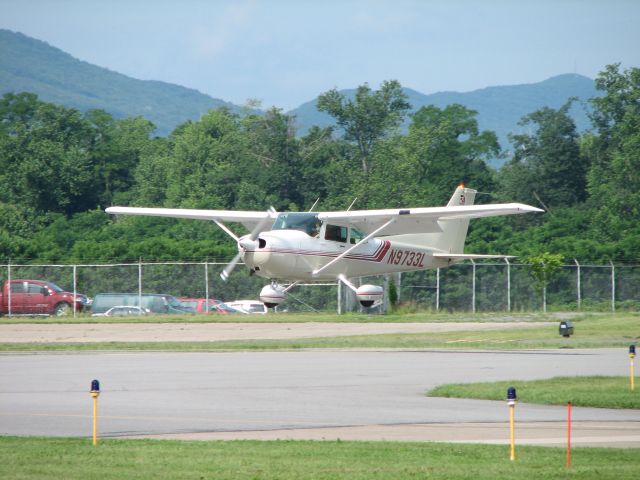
333	240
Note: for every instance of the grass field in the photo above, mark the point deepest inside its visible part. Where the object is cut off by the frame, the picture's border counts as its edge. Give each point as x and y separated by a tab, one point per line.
39	458
604	392
591	331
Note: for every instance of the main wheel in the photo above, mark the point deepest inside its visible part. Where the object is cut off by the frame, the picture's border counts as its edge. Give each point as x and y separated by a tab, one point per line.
62	309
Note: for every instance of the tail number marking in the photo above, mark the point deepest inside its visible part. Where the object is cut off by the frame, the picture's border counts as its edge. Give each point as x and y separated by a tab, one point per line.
406	257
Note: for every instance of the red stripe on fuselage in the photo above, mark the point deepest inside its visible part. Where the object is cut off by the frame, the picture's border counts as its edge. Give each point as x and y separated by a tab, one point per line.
376	256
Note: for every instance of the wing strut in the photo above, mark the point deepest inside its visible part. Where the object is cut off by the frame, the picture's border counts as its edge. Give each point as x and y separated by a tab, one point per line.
226	230
349	250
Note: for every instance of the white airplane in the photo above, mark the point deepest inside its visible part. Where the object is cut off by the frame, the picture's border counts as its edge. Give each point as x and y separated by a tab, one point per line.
294	247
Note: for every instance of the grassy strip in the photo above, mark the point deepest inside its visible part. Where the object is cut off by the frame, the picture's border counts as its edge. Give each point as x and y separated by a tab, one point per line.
591	331
421	317
604	392
37	458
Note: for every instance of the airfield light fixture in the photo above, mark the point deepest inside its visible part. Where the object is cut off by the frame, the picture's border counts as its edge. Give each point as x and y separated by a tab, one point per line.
95	388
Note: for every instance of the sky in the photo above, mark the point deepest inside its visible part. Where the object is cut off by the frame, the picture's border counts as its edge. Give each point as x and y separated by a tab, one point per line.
287	52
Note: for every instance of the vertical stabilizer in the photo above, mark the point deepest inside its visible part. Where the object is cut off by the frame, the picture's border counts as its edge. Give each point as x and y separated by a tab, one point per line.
454	232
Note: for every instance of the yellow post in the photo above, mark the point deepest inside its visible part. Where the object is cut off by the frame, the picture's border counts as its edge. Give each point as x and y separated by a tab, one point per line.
511	399
512	435
95	418
95	391
632	376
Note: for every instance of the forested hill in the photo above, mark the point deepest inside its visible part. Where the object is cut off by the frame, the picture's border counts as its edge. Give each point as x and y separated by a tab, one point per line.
30	65
499	108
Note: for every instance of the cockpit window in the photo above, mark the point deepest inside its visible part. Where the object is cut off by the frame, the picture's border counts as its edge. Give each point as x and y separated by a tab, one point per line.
336	233
302	221
356	236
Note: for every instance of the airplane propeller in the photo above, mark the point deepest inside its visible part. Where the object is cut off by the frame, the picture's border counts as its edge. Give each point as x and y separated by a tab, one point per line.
247	243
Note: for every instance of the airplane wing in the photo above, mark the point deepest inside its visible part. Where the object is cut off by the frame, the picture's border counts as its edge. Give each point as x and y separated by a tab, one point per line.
419	220
247	218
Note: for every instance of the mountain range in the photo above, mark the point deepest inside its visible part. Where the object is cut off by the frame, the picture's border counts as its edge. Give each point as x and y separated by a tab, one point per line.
31	65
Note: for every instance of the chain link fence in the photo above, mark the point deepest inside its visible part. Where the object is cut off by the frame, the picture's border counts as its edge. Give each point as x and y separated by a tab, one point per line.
470	287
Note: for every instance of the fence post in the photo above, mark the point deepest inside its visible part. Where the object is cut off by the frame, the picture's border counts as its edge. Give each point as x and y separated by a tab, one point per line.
75	289
206	285
140	285
438	289
9	289
339	297
578	287
613	287
508	284
473	286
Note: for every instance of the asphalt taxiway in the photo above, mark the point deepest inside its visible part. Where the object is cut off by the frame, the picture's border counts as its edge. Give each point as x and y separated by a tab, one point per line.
355	394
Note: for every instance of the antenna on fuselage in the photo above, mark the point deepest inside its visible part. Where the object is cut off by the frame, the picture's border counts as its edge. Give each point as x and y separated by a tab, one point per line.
314	204
352	203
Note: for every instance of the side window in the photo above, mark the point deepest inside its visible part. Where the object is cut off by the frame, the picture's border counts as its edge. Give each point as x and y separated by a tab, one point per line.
34	288
18	287
356	236
336	233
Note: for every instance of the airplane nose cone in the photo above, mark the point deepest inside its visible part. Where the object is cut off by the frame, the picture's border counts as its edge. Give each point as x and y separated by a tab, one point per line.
256	252
247	244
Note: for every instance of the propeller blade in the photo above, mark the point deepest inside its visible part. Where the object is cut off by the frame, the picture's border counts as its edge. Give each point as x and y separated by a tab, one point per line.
246	242
262	223
229	268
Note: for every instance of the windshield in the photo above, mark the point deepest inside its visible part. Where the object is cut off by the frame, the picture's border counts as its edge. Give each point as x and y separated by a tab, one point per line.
305	222
54	287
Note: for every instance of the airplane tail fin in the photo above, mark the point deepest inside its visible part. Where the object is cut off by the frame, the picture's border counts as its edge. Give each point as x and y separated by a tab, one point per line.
454	231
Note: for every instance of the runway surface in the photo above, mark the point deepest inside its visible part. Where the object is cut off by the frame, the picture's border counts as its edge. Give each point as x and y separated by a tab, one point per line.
366	394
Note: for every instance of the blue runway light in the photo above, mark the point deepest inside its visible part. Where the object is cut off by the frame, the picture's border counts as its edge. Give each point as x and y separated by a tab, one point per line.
511	394
95	386
632	350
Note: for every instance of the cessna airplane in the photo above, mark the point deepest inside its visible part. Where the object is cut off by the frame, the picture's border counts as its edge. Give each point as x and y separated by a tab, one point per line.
294	247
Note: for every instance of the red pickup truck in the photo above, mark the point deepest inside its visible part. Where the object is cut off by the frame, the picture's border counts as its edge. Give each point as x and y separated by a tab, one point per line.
37	297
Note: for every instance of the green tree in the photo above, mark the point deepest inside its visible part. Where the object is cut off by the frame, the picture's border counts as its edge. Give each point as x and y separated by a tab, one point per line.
548	166
204	160
443	148
274	161
45	160
116	151
543	267
615	175
369	116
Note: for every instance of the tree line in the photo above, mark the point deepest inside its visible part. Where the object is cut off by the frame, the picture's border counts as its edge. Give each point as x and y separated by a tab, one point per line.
59	169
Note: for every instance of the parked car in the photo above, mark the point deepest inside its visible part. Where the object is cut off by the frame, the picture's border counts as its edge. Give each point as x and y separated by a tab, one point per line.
249	306
39	297
123	311
154	303
200	305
